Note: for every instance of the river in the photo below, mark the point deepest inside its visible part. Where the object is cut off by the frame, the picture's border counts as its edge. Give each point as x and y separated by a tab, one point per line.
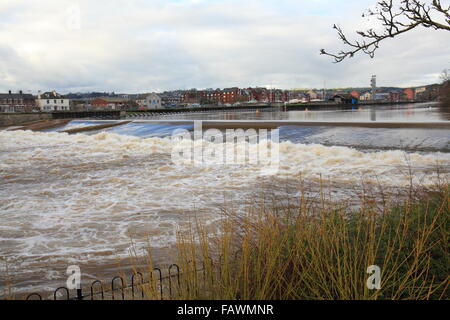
79	199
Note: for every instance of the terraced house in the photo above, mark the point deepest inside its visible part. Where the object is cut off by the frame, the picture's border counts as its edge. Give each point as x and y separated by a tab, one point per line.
16	102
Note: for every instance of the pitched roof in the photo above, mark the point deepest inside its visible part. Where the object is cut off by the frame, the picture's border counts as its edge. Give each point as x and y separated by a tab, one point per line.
15	96
153	95
51	95
343	96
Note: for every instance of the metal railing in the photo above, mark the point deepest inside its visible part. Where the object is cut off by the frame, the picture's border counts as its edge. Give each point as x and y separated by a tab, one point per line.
117	289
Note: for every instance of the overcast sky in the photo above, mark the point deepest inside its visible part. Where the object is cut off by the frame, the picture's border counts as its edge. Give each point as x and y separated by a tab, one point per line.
154	45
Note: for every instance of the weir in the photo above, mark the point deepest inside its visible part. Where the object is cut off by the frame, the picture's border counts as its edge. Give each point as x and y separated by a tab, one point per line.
96	127
234	124
272	124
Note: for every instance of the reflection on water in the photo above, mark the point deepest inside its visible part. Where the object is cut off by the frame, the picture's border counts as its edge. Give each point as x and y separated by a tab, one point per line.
415	140
422	112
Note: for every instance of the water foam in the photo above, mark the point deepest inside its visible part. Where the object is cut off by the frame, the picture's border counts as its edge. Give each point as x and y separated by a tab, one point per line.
84	196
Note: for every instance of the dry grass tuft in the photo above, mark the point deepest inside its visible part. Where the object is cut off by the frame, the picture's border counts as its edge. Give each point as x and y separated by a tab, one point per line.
322	251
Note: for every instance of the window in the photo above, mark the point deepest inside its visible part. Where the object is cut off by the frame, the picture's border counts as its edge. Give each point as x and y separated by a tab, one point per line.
48	101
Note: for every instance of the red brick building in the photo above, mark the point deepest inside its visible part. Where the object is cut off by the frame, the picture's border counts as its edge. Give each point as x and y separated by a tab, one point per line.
355	94
278	95
214	96
225	96
114	103
260	94
409	94
230	96
394	96
193	96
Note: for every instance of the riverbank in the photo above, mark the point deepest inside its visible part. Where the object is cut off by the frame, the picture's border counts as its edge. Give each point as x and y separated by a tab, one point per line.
40	125
15	119
324	251
332	104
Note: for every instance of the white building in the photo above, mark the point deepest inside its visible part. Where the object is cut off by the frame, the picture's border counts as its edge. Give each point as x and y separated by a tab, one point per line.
153	101
418	91
365	96
149	101
52	101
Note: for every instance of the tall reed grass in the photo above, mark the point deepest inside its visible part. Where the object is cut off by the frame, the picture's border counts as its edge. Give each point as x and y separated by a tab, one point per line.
321	251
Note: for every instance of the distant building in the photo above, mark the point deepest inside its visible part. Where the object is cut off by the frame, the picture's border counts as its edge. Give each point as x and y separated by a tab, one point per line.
110	103
192	96
431	93
52	101
409	94
246	95
171	98
382	96
227	96
366	96
296	96
312	95
260	94
153	101
79	104
419	92
230	95
140	100
213	96
355	94
148	101
395	96
344	98
16	102
278	95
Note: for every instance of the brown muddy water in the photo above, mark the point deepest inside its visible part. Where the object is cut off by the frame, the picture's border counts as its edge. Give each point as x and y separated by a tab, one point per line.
80	199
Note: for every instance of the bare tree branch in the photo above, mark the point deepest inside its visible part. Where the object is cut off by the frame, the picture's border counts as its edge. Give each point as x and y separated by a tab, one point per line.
396	17
445	76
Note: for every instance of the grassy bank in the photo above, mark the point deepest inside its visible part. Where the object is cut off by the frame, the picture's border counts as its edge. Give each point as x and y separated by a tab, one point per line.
322	251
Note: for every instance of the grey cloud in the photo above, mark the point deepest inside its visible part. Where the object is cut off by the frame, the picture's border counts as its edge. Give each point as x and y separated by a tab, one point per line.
156	45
